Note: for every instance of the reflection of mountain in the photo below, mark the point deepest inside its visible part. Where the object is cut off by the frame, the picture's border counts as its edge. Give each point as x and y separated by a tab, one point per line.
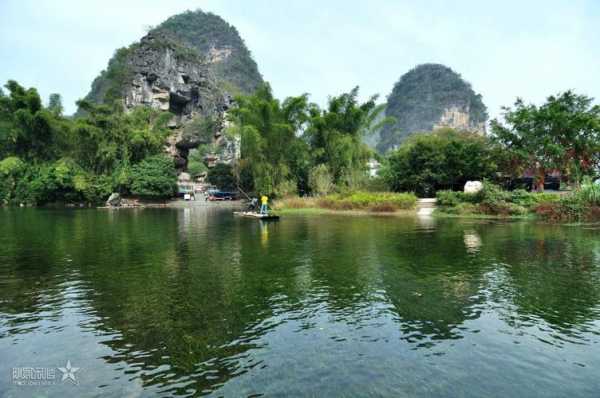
435	289
194	299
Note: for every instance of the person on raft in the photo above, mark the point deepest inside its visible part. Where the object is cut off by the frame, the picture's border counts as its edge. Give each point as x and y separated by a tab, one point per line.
264	200
253	204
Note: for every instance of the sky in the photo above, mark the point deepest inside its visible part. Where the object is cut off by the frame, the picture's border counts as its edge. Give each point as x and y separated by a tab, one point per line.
505	49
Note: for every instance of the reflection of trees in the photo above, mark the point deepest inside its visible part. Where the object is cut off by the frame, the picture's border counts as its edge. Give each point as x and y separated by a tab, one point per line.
186	294
34	255
432	281
197	308
552	272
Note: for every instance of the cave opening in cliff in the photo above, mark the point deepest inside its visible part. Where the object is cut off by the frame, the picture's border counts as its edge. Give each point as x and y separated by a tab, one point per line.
177	104
195	95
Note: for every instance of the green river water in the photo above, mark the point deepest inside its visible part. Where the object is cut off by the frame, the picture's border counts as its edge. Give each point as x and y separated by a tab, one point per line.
186	302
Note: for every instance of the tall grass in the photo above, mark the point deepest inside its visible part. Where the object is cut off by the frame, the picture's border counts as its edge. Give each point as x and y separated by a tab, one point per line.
365	201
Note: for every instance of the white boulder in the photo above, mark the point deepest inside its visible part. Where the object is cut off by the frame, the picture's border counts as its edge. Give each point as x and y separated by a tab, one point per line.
473	186
114	200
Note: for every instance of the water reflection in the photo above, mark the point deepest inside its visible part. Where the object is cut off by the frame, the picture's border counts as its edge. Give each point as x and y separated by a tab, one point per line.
194	301
472	241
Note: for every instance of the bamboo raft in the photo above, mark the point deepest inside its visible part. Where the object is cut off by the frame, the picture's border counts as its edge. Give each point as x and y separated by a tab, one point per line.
258	216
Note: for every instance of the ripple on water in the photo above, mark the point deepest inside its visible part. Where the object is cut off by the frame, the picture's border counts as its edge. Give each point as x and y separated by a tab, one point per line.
182	303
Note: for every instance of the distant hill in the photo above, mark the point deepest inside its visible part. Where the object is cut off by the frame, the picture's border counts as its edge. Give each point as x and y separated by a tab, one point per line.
428	97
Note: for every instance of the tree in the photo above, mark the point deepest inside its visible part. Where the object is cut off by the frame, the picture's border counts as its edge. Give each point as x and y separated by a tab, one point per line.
55	104
11	169
196	166
221	176
28	130
444	159
563	134
154	176
271	147
336	133
108	138
320	180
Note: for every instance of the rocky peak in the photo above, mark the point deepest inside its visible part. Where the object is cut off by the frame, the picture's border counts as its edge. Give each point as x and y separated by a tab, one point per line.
190	65
168	76
427	97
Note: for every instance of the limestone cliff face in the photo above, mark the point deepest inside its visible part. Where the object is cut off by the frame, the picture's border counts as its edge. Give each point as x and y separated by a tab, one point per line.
166	76
459	118
191	66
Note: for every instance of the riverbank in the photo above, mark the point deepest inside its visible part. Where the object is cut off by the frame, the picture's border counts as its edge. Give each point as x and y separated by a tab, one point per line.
578	206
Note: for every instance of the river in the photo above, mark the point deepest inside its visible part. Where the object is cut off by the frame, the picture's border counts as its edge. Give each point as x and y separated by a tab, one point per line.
184	302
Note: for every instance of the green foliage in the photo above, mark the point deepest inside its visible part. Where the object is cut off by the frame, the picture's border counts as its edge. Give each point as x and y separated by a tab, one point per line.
55	104
49	158
11	169
59	181
271	151
563	134
320	180
372	201
420	98
221	176
196	166
154	177
589	193
492	200
283	141
199	131
336	134
445	159
107	137
286	188
27	129
446	198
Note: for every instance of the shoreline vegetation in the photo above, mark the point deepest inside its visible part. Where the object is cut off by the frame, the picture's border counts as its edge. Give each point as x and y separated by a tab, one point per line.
358	202
582	205
308	159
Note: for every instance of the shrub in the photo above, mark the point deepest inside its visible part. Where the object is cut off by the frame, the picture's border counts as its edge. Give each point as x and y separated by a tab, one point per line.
286	188
375	184
589	193
445	159
320	180
523	198
221	176
295	202
11	169
449	198
568	208
462	209
155	176
381	201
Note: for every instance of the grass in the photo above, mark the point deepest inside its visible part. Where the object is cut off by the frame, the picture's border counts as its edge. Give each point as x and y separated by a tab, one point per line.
358	202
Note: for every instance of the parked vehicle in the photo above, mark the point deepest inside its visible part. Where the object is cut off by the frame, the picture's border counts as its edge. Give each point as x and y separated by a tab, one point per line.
184	189
217	195
527	183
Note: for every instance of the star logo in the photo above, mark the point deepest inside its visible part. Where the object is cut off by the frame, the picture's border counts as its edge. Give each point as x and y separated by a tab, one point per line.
69	373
